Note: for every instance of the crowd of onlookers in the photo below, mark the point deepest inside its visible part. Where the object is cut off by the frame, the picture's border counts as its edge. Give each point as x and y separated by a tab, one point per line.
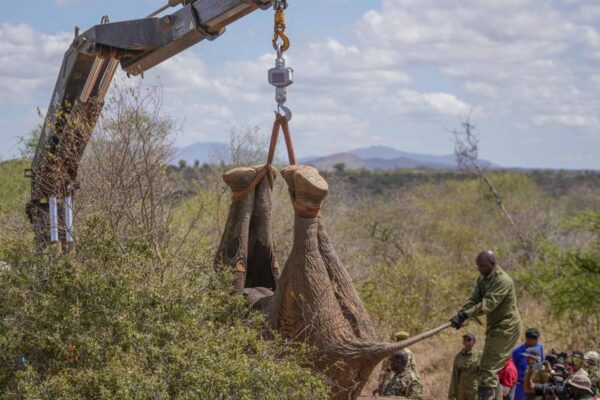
530	374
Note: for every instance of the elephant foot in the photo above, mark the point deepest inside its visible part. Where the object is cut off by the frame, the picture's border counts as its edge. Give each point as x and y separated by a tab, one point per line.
307	188
238	179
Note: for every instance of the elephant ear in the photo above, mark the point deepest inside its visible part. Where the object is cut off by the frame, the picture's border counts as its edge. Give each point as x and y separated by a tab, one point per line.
246	248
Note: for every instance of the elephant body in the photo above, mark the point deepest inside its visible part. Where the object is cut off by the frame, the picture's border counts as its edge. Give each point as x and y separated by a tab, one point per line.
313	300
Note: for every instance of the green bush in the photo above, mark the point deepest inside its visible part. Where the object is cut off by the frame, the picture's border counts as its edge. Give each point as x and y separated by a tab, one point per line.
112	322
13	186
568	277
413	295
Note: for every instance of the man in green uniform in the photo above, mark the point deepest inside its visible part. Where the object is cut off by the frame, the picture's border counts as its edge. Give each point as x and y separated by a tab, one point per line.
402	382
386	370
463	383
494	296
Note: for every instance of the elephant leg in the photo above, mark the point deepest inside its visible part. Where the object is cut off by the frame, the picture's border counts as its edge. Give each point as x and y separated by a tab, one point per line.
352	307
233	248
305	306
263	269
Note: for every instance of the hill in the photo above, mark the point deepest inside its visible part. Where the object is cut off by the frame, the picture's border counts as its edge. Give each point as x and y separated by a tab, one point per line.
374	157
385	158
203	152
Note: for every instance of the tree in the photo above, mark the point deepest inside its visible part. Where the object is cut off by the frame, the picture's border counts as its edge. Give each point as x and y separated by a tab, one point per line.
246	147
29	142
569	278
339	167
123	173
466	152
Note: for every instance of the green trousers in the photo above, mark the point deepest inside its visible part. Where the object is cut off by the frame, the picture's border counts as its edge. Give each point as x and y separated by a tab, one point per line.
499	344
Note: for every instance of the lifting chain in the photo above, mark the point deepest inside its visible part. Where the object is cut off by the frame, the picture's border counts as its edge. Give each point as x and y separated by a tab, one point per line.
280	6
281	76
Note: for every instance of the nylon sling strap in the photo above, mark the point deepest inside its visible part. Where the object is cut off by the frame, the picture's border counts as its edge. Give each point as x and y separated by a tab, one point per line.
280	124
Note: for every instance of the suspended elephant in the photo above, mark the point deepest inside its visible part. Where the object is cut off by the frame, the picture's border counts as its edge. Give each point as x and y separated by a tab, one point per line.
313	299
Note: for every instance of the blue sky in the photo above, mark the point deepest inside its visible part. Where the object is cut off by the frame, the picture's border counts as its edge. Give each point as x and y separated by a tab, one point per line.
401	73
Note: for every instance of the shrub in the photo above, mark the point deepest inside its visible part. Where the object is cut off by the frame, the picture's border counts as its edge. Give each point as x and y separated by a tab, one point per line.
102	323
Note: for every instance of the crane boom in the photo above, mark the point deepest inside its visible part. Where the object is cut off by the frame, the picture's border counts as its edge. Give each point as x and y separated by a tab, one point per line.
85	76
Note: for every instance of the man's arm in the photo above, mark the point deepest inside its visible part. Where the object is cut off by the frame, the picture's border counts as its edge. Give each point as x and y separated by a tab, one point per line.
528	381
453	381
459	319
491	300
474	299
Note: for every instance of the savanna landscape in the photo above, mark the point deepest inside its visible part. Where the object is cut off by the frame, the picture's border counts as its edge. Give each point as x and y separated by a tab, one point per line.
138	311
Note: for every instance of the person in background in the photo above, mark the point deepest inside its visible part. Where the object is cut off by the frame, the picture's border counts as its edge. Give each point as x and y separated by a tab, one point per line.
402	382
463	382
576	362
532	339
552	357
508	380
592	365
495	297
581	387
386	370
537	373
412	360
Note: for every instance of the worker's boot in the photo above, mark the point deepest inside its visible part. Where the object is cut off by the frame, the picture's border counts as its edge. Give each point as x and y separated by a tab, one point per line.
487	393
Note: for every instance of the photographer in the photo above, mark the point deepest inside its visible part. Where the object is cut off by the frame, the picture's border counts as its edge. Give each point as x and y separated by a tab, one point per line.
578	387
535	374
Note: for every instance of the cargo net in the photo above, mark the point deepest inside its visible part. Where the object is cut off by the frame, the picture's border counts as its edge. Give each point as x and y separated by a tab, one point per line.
312	300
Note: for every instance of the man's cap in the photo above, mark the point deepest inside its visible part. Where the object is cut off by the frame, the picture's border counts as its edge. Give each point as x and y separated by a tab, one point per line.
532	352
592	356
401	335
581	382
469	336
532	333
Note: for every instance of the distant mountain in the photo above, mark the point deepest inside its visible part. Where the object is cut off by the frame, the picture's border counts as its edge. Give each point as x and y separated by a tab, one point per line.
389	153
385	158
203	152
374	157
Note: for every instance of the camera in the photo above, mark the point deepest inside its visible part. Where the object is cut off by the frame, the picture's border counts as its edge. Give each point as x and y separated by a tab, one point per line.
557	390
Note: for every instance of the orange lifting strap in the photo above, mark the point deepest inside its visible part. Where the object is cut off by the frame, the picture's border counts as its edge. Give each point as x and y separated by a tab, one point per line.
281	124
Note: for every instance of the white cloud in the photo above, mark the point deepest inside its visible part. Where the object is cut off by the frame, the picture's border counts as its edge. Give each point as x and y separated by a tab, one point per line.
567	120
413	65
29	63
525	57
